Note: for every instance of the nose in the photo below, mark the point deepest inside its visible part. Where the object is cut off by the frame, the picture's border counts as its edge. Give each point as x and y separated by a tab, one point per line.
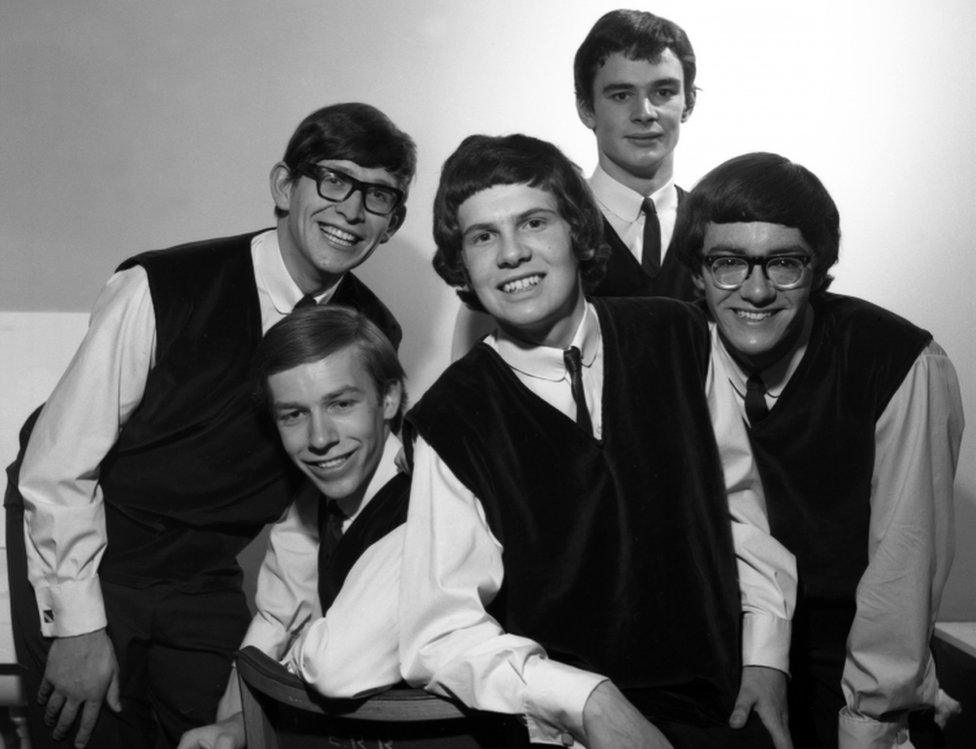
353	208
644	109
512	251
322	434
757	288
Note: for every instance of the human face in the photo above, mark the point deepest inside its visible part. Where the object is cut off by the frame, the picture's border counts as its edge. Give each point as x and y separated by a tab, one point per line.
332	421
519	257
321	239
759	323
638	108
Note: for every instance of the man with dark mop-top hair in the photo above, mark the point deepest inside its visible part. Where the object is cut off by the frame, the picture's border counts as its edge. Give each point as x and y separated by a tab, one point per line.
150	467
855	419
579	549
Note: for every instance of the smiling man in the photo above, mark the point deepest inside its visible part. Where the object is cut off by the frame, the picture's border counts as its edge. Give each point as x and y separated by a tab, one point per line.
569	554
855	418
635	86
149	469
329	584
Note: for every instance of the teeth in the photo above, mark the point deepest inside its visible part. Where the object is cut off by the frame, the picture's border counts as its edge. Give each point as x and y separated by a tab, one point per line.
754	316
521	284
343	237
331	463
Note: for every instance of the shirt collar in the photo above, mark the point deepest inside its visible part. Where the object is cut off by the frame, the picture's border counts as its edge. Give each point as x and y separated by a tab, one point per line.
546	362
273	276
386	469
624	202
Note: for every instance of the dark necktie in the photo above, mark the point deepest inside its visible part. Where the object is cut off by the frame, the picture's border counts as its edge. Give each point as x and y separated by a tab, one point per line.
756	408
330	531
574	365
651	254
306	301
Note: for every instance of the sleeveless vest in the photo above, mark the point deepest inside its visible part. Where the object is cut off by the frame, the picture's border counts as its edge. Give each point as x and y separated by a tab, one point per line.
815	448
624	275
198	468
618	554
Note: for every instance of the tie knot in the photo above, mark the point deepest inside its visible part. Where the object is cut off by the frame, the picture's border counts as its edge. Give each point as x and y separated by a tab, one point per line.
647	207
306	301
755	384
573	359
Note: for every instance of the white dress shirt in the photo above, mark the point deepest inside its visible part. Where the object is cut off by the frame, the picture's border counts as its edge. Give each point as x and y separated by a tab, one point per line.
452	566
104	383
622	208
889	666
352	650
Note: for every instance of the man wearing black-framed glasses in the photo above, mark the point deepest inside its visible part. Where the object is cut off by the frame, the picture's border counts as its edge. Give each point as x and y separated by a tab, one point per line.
151	468
855	420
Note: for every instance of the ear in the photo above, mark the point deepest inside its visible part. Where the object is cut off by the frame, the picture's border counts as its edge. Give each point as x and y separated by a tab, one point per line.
692	99
586	115
396	221
696	278
391	401
281	185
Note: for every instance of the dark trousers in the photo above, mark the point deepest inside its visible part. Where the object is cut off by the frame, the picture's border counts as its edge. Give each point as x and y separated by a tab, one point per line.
174	650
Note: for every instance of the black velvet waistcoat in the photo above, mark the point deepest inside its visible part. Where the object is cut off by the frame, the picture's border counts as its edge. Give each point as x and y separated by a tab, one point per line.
385	512
198	468
624	276
617	554
815	448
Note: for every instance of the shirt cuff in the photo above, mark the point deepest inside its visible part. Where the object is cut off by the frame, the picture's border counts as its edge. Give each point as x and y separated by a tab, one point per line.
72	608
856	731
766	641
555	696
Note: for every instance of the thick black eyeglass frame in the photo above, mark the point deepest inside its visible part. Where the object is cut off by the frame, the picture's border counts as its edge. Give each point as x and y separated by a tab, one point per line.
317	173
752	262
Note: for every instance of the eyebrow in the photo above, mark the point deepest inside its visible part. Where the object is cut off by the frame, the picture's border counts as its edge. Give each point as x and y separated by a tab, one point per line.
487	225
615	86
792	249
343	391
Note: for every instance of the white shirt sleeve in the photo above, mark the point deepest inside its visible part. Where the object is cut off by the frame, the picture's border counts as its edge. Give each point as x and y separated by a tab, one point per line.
353	651
889	667
452	569
766	569
287	596
63	513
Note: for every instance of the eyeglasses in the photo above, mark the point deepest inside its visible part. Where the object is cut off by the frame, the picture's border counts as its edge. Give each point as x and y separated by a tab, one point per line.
338	186
782	271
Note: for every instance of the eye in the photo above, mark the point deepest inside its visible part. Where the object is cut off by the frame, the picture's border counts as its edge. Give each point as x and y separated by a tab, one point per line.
619	96
380	196
536	223
725	262
342	405
332	179
481	237
290	417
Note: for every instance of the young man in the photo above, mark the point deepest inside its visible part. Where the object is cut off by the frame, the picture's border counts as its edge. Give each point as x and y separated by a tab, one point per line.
855	419
326	603
569	516
635	86
149	468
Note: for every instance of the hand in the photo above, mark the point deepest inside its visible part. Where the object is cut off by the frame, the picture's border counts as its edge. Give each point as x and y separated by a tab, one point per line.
81	672
764	690
227	734
611	722
945	708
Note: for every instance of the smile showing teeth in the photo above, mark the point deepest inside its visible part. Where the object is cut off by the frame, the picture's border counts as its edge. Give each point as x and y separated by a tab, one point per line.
521	284
339	236
752	315
330	464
